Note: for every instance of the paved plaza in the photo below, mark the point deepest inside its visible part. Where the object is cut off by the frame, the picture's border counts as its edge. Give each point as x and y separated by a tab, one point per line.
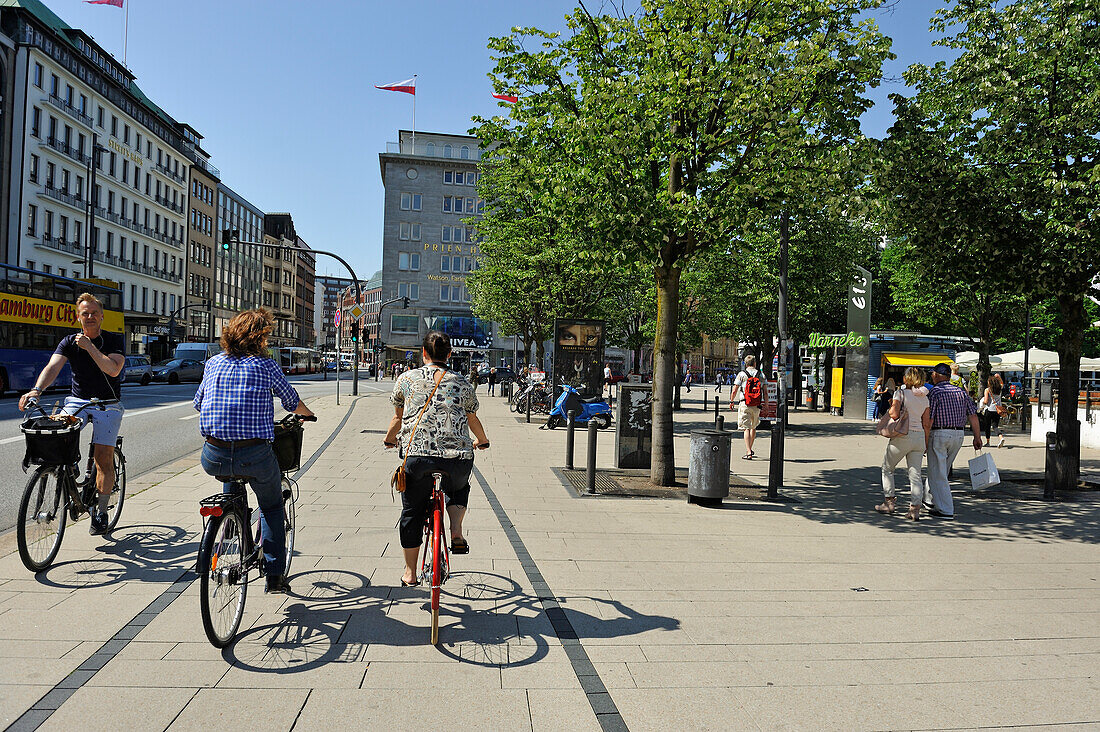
577	613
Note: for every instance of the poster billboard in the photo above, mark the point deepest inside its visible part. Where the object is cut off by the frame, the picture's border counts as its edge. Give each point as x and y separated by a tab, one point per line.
578	355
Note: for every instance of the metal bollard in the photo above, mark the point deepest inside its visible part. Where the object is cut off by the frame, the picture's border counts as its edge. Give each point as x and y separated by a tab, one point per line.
591	456
530	396
705	402
570	426
716	408
720	423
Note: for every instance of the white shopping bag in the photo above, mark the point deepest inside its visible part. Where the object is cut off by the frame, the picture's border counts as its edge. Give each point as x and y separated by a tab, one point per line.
983	473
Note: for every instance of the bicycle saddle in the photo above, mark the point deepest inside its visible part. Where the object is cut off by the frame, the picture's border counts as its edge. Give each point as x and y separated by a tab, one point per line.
229	479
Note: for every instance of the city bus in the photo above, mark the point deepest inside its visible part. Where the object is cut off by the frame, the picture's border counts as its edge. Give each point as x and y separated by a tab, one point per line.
296	360
38	310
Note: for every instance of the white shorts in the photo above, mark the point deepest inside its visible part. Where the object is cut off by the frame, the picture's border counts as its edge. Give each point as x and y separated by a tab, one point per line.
747	417
106	422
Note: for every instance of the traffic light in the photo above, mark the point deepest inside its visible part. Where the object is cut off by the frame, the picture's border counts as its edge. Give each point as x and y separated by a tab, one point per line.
228	235
405	303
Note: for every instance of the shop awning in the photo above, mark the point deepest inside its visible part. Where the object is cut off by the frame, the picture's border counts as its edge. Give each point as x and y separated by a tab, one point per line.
916	359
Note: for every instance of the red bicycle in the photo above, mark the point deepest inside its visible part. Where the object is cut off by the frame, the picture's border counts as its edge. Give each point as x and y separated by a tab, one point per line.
436	566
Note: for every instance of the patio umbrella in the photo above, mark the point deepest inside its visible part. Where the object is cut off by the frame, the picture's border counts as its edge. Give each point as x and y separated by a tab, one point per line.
1090	364
969	359
1037	360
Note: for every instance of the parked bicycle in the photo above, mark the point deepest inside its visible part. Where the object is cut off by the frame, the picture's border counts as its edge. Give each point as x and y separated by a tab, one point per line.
538	395
231	544
55	493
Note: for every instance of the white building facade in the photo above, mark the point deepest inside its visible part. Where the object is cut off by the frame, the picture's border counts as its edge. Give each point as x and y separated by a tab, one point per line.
73	102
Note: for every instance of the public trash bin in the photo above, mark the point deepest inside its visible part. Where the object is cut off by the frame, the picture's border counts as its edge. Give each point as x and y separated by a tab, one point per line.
709	467
811	398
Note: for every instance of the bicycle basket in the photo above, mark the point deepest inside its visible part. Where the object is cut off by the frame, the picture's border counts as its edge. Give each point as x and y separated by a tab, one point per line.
288	446
51	441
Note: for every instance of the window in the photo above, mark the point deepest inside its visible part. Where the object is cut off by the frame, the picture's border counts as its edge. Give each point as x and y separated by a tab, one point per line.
403	231
446	151
404	323
114	126
46	268
446	233
69	94
34	169
38	83
416	232
471	205
444	293
99	121
465	152
408	261
456	264
448	177
30	263
36	122
445	263
410	201
402	289
53	85
469	264
448	204
83	107
429	149
32	219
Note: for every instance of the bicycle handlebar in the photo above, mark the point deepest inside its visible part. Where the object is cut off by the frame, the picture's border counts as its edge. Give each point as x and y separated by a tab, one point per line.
34	405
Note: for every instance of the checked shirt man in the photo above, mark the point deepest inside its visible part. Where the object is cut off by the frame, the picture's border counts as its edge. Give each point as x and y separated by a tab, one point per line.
952	410
238	422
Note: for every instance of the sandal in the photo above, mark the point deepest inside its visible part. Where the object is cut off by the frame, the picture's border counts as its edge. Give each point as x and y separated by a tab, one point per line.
414	583
460	546
747	456
887	506
914	513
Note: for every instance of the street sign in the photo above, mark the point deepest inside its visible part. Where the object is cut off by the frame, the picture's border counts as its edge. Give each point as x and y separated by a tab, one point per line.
336	320
356	311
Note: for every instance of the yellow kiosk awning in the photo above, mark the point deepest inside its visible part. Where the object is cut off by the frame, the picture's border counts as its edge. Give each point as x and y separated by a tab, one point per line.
916	359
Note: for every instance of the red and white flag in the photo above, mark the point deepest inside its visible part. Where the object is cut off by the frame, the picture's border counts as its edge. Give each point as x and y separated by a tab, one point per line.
507	98
408	85
116	3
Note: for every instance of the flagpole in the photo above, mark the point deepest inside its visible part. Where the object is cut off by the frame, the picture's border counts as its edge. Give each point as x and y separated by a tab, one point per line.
125	34
414	116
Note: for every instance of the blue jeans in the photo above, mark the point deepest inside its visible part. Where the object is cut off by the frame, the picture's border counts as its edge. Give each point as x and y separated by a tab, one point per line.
257	464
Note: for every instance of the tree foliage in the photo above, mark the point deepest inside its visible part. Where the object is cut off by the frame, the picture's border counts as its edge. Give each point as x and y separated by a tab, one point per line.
667	130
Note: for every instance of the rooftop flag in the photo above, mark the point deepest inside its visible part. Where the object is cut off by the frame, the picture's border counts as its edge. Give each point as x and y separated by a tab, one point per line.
507	98
408	85
116	3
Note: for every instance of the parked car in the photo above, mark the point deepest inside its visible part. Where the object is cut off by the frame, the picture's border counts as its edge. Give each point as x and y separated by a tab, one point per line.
138	369
617	375
503	374
176	370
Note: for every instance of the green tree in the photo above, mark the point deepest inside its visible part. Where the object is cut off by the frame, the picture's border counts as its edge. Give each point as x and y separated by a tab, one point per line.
997	154
667	127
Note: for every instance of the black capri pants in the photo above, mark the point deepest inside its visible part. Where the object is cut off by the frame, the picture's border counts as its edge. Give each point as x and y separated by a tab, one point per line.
417	497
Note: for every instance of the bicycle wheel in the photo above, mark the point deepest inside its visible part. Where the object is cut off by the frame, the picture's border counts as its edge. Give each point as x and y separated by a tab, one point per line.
437	570
42	518
118	493
223	578
290	514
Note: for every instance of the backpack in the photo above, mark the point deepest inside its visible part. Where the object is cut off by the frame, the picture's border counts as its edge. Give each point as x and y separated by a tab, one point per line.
753	390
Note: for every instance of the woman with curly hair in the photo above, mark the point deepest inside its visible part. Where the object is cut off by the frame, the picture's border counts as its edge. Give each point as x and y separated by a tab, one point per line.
237	420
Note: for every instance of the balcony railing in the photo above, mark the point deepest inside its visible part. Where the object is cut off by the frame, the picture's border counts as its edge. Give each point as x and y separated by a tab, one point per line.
69	109
61	245
74	201
69	150
167	172
69	247
435	150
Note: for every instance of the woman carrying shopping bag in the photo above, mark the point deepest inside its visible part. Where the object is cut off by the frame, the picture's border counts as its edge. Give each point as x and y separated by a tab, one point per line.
911	400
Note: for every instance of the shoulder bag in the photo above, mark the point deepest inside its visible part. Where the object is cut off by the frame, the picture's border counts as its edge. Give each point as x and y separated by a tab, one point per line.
397	482
889	427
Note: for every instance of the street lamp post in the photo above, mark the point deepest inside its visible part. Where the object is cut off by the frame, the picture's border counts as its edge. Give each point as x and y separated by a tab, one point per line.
172	319
233	236
89	213
404	304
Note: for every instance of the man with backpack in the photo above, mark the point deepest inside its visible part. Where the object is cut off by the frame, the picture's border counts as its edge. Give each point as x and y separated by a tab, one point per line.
749	386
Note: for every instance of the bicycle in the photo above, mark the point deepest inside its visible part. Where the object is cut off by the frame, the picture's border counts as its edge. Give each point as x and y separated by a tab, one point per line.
53	494
228	553
436	565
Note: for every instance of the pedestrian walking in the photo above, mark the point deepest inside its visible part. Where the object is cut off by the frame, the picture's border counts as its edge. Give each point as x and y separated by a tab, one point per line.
883	394
492	378
719	380
607	378
687	381
991	408
749	394
912	397
952	411
956	379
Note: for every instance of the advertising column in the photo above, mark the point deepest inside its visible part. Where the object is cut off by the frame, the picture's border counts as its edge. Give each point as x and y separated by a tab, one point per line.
578	355
856	357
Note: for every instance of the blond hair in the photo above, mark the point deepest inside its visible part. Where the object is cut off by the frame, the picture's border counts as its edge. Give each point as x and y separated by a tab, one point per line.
89	297
914	377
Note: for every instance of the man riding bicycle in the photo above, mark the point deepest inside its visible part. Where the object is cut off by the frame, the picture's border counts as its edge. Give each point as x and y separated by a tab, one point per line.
96	358
237	420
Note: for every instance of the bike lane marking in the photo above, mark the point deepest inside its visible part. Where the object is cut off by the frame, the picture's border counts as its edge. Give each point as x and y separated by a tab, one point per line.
603	706
44	708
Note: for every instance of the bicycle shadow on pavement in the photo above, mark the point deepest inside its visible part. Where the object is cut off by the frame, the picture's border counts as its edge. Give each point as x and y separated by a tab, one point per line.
845	496
152	553
486	619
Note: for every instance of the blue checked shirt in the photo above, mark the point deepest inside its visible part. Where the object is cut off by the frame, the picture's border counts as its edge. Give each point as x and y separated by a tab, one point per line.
950	406
234	399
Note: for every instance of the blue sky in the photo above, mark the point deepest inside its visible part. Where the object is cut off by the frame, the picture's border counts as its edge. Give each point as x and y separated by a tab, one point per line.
283	90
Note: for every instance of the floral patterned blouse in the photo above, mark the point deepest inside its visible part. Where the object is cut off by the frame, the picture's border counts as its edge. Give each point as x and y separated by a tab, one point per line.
443	432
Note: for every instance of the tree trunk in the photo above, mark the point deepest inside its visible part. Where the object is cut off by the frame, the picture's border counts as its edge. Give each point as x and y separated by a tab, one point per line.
1066	460
766	358
663	464
984	367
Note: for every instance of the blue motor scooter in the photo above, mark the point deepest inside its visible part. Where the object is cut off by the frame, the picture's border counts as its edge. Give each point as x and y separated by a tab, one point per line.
584	410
